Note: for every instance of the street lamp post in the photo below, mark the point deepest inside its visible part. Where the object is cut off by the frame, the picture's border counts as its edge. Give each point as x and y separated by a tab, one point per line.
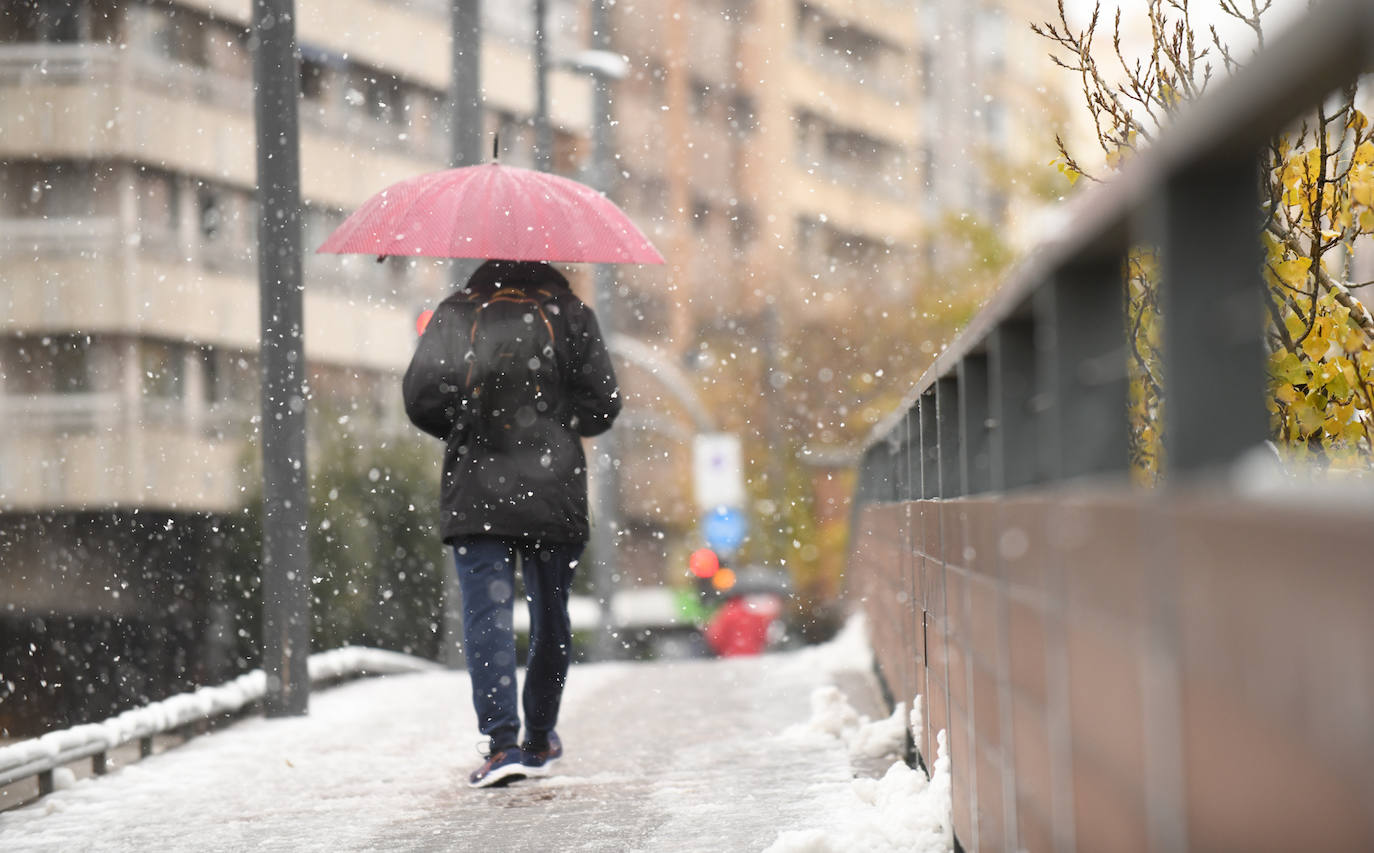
285	548
604	67
465	141
543	130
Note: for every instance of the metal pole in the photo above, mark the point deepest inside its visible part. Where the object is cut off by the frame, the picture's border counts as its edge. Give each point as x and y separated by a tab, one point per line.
286	558
465	139
543	131
606	484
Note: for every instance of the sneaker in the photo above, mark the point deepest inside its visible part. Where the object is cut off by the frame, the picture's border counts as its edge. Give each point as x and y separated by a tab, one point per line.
537	761
500	768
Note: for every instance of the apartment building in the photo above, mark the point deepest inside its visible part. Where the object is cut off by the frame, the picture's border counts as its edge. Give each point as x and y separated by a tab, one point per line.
991	105
797	160
128	281
769	145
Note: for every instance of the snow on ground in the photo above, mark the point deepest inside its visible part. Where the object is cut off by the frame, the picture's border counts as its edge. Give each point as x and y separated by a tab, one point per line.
683	756
902	811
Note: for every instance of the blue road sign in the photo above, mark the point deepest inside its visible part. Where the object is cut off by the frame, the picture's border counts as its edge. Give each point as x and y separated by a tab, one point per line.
724	528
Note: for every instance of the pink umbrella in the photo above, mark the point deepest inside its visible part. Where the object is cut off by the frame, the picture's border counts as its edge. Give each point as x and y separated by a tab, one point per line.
493	211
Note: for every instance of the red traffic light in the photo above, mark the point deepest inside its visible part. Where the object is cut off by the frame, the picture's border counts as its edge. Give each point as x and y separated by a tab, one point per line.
704	563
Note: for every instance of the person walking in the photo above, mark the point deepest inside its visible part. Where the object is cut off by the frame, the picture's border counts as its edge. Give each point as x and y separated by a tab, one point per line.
511	372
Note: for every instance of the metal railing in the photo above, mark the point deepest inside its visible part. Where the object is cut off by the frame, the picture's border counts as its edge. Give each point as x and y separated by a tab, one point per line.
1116	663
1034	391
183	714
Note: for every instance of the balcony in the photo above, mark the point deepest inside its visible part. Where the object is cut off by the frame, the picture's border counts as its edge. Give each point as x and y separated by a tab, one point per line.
97	275
78	451
96	102
846	103
853	209
892	19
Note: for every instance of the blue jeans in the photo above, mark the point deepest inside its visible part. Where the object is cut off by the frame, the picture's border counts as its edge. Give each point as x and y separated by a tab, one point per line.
486	576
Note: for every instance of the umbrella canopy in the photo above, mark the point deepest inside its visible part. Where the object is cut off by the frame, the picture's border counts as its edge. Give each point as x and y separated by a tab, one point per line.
493	211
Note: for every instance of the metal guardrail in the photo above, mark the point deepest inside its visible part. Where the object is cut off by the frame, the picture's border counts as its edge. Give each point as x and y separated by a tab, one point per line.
1035	389
181	714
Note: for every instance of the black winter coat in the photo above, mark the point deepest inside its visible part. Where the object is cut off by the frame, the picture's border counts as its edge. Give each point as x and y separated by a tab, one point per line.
531	483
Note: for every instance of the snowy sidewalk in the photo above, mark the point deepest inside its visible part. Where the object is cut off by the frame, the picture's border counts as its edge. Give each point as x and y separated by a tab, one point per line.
682	756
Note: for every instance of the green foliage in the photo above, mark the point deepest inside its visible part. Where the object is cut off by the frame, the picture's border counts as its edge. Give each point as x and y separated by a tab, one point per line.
375	551
376	559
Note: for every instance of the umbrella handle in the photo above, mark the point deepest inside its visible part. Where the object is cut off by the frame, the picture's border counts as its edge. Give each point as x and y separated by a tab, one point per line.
496	146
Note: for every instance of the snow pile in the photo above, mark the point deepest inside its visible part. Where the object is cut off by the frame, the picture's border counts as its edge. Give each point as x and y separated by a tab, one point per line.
833	717
902	811
880	738
176	711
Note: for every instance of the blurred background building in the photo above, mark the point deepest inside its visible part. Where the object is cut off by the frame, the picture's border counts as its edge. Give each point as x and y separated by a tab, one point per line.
128	344
793	159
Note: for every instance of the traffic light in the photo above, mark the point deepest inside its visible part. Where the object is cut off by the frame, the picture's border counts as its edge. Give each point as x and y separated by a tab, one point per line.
704	563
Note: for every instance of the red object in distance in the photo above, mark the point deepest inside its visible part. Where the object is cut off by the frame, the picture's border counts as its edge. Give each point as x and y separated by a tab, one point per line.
740	627
422	322
704	563
493	211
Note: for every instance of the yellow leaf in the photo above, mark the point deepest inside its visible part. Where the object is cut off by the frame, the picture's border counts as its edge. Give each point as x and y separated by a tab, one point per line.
1364	155
1312	166
1309	420
1357	122
1287	394
1367	221
1293	272
1292	173
1315	346
1294	325
1362	192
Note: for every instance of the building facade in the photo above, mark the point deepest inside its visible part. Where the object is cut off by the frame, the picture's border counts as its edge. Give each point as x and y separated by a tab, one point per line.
128	279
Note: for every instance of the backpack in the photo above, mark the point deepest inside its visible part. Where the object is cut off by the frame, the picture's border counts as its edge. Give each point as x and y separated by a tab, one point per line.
512	366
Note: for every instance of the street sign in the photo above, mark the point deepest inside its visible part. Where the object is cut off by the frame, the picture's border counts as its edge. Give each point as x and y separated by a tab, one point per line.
724	529
718	470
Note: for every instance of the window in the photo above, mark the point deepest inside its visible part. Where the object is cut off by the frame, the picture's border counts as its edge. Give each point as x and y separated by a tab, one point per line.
211	208
701	98
42	20
59	21
701	214
163	370
158	201
312	80
211	381
384	98
742	229
741	115
70	364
